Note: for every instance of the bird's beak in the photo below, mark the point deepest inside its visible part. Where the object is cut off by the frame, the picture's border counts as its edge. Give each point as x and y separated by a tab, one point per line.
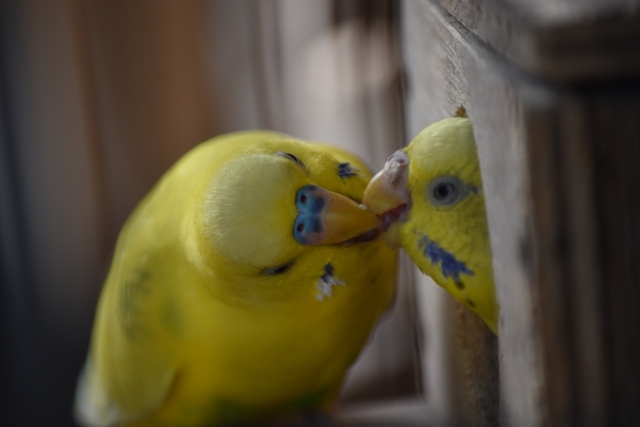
387	195
345	219
326	217
381	196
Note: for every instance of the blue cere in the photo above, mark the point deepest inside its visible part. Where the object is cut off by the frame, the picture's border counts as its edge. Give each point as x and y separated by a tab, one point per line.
345	170
310	203
451	267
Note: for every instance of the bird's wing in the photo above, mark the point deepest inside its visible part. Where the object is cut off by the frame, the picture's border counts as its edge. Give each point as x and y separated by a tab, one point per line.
130	368
95	405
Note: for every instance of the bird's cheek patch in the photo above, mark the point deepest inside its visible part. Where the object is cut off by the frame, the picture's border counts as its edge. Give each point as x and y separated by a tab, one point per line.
449	265
326	282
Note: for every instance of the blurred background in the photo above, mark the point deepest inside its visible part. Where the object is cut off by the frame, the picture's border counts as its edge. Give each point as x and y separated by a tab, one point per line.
99	98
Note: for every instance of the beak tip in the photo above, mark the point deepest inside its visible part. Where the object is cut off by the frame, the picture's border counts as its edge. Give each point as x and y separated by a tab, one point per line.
381	197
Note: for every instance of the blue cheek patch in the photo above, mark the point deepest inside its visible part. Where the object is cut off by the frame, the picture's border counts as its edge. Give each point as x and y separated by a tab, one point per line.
450	266
345	170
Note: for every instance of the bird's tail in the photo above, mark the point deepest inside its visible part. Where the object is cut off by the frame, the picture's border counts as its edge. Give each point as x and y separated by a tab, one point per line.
91	407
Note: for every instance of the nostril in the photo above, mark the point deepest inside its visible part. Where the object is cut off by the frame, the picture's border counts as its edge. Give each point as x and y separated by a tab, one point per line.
300	227
399	157
303	199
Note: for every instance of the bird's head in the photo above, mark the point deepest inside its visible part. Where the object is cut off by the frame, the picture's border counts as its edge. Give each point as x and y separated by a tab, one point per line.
272	207
429	198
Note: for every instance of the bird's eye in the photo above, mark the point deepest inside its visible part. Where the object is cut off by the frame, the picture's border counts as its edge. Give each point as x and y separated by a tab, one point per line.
290	157
446	191
443	191
279	269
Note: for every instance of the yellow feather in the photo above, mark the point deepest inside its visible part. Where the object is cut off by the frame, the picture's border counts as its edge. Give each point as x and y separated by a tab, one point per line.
447	148
190	332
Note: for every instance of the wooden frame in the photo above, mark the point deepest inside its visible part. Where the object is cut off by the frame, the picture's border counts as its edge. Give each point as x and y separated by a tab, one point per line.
556	161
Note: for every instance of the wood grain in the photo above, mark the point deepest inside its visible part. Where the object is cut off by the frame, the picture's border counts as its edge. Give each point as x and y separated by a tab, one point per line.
559	165
558	39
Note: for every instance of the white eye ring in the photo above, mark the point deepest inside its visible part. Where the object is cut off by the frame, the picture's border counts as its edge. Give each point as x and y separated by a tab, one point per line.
446	191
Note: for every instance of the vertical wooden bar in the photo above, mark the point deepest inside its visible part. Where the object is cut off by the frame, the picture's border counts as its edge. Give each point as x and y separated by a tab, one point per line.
557	159
616	144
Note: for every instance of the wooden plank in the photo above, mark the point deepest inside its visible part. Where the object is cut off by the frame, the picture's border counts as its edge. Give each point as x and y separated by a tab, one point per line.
586	221
397	413
557	162
615	147
447	69
558	39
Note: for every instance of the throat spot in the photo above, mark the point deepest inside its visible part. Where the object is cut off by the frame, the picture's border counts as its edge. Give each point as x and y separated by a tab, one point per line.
326	282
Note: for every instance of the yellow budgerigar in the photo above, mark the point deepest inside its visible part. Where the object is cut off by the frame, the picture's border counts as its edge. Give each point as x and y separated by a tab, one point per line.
241	289
429	196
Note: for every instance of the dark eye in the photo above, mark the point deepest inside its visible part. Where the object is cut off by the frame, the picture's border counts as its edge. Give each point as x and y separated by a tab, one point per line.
290	157
446	191
279	269
443	191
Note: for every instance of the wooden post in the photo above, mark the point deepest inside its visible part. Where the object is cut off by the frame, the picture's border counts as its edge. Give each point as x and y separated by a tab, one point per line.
559	144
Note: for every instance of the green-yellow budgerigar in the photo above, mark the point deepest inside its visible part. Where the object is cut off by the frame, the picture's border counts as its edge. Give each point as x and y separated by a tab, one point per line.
241	288
429	196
